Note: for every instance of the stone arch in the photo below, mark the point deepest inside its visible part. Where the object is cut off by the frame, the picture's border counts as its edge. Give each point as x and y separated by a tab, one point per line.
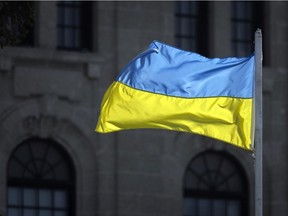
56	120
213	176
189	145
186	146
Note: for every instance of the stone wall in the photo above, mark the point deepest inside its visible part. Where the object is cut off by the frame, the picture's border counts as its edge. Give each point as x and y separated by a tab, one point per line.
56	94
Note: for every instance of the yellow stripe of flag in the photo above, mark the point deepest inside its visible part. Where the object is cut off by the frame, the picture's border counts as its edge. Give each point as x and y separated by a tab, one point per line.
224	118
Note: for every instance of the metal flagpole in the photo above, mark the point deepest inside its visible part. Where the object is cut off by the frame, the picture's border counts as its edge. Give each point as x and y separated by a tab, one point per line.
258	125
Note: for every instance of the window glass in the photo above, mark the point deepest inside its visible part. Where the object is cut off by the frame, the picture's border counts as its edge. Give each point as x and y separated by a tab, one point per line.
74	25
45	213
45	198
204	207
44	180
246	17
29	197
14	196
14	212
215	184
60	213
233	208
191	19
189	206
219	207
29	212
60	199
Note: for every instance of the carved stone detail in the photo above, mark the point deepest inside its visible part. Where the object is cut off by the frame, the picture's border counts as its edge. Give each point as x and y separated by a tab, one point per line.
42	126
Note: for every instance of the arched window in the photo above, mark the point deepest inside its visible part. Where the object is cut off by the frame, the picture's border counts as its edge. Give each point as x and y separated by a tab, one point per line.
215	184
41	180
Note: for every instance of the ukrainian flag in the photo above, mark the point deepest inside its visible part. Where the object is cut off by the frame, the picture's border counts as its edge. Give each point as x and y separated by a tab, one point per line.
168	88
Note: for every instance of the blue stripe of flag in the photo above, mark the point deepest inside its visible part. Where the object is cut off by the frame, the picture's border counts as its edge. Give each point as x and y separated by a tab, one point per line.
164	69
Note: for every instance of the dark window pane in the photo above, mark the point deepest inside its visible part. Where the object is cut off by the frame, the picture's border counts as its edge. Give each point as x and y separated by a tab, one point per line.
204	206
194	7
29	197
60	15
219	207
235	183
190	206
23	154
77	38
46	190
214	185
53	156
60	199
233	208
14	212
48	172
29	212
45	213
68	38
16	169
76	20
62	171
74	25
39	150
60	213
241	31
184	8
245	21
45	198
191	27
14	196
30	171
240	10
69	16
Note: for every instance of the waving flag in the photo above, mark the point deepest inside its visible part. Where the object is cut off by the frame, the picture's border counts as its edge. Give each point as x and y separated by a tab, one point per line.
168	88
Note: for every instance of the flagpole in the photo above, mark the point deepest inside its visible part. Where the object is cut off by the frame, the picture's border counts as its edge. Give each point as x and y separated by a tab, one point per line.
258	126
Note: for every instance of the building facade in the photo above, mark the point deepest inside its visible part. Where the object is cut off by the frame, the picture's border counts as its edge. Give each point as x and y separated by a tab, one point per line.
51	87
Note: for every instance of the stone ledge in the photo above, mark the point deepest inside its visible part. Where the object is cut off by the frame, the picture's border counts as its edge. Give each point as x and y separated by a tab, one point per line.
35	53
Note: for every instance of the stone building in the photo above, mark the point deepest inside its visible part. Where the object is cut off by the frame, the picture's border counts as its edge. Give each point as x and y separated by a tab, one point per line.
51	86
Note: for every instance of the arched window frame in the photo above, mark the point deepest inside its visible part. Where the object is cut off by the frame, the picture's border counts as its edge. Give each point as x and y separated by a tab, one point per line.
197	196
44	192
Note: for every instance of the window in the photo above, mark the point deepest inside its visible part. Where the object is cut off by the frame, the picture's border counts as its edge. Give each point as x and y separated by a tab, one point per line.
74	25
215	184
246	18
41	180
191	26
